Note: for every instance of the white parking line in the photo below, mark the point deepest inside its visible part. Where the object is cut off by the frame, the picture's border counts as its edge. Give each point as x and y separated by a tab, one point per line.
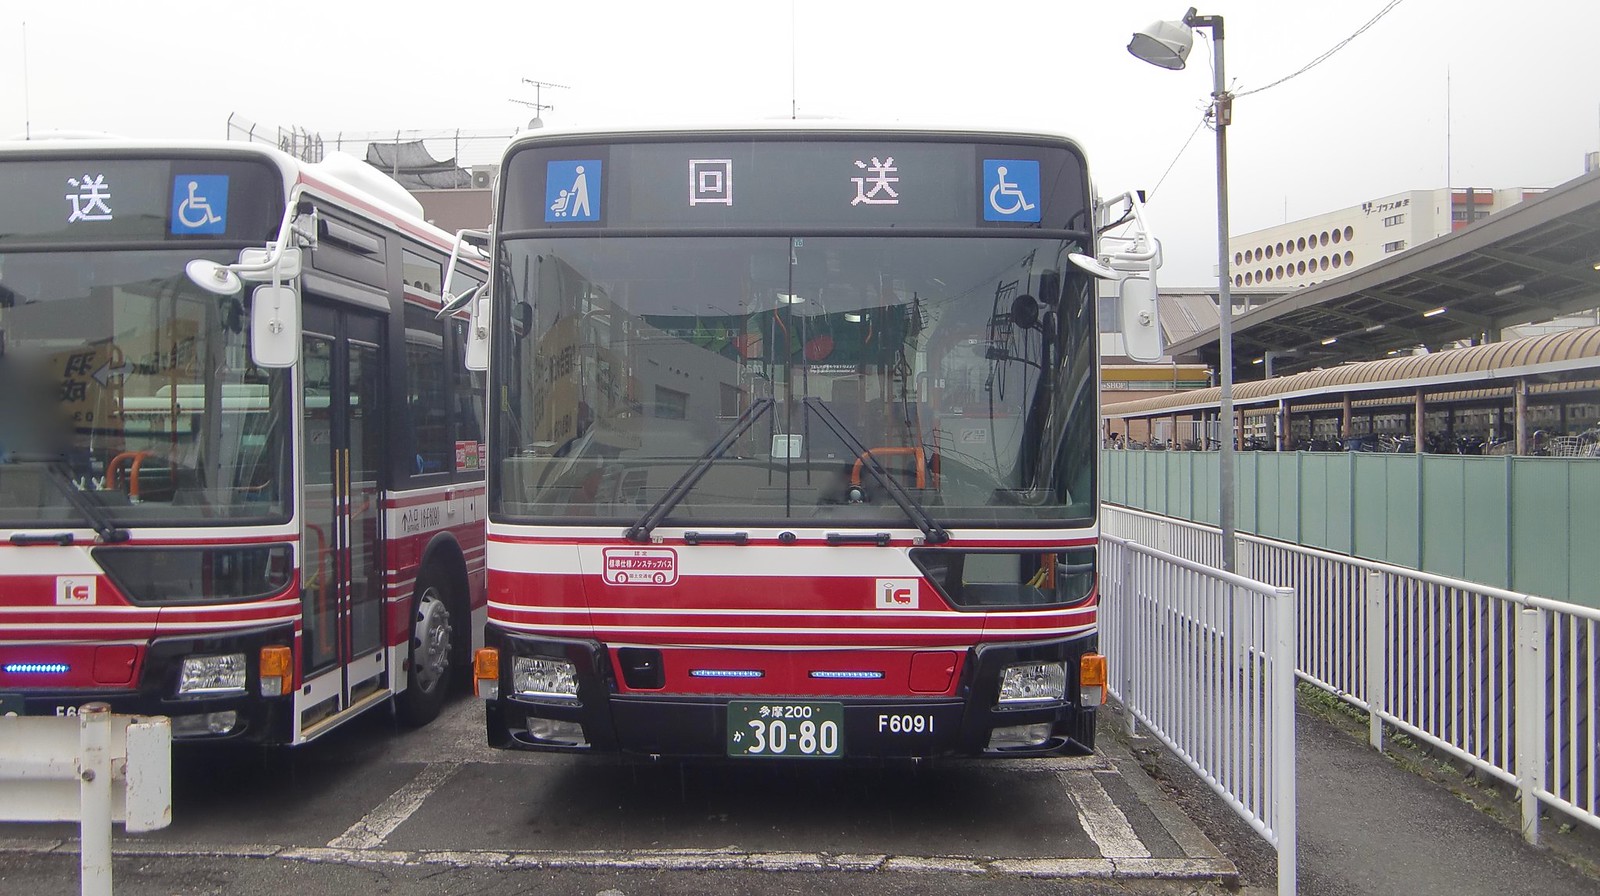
725	859
1102	820
378	824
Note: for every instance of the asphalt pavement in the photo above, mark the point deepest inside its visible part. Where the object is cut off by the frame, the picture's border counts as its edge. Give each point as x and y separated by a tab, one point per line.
1383	824
1370	824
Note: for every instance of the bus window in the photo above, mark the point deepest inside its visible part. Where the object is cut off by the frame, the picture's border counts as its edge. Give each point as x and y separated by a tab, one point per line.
427	410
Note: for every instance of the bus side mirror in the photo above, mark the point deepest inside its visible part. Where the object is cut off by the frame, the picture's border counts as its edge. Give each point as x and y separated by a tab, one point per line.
477	350
1141	328
274	326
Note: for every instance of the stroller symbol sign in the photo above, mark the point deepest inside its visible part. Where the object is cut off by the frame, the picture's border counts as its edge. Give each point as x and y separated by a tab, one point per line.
572	191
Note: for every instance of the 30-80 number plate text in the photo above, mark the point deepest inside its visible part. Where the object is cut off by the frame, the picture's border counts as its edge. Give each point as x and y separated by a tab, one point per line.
786	729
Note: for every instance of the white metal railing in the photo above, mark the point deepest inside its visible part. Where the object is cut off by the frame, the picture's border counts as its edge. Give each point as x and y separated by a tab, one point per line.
1508	683
1205	660
92	767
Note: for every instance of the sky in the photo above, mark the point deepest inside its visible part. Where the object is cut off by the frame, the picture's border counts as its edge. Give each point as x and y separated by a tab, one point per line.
1436	93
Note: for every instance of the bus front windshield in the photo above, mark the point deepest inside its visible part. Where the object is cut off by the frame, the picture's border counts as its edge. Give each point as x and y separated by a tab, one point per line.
810	377
127	395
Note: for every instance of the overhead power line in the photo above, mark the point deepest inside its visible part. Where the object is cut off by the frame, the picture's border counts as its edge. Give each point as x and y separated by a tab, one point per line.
1325	56
1198	125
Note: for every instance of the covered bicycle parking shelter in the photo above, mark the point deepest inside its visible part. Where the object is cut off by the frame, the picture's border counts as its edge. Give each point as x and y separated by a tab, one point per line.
1538	395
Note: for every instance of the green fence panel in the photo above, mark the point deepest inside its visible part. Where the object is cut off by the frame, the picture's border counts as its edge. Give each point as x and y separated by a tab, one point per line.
1161	482
1103	474
1444	514
1184	492
1486	496
1267	500
1369	522
1139	484
1314	498
1287	494
1404	477
1540	526
1525	523
1327	494
1133	480
1207	492
1342	513
1583	532
1247	492
1105	477
1178	484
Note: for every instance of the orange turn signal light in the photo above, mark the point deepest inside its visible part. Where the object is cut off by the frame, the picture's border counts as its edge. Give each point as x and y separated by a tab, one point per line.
1092	670
485	668
277	670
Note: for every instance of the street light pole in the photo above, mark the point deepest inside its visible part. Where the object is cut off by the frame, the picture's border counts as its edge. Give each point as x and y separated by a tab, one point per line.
1166	44
1222	109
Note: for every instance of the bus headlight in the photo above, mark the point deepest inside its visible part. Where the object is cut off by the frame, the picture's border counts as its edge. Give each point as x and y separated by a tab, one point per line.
212	676
1027	684
543	677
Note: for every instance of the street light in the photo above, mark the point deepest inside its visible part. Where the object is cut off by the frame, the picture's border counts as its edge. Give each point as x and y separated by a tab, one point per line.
1167	45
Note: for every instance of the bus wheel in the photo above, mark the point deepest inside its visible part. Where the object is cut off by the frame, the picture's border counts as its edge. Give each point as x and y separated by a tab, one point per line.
430	653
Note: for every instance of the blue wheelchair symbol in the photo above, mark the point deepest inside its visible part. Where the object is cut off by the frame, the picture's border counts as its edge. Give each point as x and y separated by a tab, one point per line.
1011	190
572	191
200	203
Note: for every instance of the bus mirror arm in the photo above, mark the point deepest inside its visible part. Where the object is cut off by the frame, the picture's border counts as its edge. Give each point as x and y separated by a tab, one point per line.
465	238
1130	261
307	226
275	307
1125	256
278	260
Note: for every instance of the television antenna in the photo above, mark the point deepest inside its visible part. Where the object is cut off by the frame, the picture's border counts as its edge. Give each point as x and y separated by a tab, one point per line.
537	103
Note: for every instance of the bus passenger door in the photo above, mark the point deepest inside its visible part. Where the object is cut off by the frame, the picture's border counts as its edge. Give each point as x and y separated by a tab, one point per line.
344	663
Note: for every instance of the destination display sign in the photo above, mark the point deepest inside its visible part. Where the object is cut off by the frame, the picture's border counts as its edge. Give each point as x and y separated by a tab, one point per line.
114	200
816	183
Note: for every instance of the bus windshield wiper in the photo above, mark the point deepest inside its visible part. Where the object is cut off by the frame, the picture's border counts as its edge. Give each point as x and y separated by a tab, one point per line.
640	531
56	471
931	530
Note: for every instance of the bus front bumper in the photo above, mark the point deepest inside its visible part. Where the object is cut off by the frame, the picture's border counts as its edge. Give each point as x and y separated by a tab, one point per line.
607	719
153	685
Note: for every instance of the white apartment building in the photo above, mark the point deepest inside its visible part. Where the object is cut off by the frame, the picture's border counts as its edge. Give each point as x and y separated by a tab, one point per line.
1321	247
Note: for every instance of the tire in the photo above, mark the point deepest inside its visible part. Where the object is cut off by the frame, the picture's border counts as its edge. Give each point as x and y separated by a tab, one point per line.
430	658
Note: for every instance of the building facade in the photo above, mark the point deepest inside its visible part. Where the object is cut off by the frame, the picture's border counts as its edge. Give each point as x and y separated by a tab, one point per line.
1308	251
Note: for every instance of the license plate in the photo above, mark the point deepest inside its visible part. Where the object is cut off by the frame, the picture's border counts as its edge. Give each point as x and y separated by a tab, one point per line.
786	729
11	704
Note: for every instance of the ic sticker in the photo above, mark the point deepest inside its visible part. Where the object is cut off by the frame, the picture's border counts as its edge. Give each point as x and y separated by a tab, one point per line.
74	591
572	191
897	594
1011	190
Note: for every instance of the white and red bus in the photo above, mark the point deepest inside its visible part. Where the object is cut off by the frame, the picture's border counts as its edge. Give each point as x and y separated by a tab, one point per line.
240	458
793	443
